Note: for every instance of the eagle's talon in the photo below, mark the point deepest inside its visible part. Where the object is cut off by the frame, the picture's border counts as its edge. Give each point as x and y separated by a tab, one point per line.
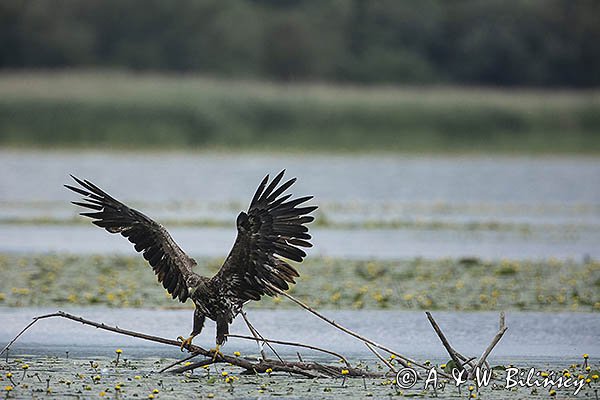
216	352
185	343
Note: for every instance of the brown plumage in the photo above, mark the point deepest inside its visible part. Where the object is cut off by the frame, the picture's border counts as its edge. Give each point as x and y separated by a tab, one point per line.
273	228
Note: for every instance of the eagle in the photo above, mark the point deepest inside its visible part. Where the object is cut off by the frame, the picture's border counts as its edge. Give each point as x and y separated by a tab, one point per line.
273	229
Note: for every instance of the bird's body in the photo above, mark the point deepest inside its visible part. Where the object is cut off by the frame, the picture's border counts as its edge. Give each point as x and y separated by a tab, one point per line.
273	228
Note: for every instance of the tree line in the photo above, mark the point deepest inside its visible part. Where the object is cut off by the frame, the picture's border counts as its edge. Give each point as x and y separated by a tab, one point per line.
539	43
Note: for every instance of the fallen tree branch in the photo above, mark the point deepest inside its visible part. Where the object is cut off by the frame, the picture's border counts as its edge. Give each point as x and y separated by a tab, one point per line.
308	369
264	365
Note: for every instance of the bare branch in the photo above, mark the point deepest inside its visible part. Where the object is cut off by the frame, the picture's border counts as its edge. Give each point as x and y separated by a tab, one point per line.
453	353
502	329
352	333
256	335
23	331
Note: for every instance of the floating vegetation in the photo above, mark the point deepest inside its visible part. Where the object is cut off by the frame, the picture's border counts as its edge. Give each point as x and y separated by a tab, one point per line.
415	284
61	377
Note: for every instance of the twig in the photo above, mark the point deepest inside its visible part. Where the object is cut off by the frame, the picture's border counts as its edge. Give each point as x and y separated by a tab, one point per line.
257	335
352	333
386	362
22	332
308	346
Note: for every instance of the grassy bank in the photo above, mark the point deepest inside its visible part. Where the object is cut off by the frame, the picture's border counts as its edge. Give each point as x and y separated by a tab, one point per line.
126	281
118	110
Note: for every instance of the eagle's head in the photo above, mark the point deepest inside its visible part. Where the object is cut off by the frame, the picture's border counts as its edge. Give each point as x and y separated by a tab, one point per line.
243	221
193	283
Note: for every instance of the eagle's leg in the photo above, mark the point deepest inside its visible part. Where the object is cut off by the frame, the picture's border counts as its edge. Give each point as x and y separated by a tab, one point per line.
198	325
222	331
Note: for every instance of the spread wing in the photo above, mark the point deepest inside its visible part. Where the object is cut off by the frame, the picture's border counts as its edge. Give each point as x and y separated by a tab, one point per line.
272	229
171	265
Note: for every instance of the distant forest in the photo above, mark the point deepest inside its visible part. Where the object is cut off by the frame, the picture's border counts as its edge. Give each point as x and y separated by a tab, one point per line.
538	43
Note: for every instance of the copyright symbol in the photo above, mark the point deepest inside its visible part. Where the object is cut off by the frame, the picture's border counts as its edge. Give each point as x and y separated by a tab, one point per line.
406	378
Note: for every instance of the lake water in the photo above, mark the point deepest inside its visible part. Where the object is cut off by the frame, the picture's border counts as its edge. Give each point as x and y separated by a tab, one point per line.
448	206
531	336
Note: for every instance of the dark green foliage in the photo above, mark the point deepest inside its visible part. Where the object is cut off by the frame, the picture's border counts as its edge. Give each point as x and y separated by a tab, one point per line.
492	42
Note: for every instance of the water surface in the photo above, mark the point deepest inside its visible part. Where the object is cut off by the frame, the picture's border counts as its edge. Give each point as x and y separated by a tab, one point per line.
531	335
446	206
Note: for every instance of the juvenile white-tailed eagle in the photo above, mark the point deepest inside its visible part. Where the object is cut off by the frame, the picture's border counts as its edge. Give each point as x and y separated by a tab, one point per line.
274	227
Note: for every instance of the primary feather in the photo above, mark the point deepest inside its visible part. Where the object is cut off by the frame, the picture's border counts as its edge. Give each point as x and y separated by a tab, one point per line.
270	230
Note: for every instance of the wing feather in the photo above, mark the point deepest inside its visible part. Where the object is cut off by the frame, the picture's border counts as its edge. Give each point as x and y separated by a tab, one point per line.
169	262
272	229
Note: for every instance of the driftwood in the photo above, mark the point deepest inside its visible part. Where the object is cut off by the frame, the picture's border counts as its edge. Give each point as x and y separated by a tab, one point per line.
457	357
302	368
454	355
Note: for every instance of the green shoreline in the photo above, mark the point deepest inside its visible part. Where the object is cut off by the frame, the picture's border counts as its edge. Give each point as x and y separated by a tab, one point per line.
110	110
